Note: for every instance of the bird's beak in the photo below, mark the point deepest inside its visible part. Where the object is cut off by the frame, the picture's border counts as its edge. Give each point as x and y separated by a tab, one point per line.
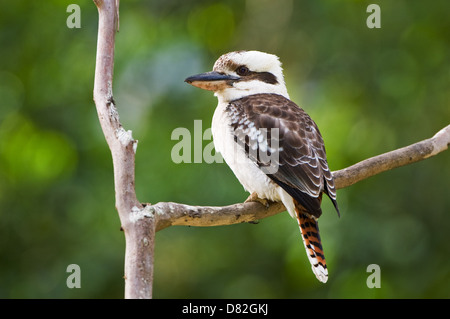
212	81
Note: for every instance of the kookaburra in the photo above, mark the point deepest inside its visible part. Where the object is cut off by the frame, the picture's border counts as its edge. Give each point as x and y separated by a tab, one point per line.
273	147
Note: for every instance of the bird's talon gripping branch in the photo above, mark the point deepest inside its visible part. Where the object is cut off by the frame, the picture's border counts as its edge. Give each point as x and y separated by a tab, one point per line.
254	198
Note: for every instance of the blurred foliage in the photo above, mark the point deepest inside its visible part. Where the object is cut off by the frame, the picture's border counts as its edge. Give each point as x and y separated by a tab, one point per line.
369	90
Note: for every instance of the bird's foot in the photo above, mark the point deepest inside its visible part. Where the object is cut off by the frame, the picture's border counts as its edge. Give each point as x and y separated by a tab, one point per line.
254	198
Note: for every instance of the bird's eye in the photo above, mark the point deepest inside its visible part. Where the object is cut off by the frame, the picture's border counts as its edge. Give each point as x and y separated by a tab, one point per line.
242	70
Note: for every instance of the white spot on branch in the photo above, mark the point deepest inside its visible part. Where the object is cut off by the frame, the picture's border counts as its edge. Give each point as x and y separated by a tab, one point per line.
440	141
126	137
137	214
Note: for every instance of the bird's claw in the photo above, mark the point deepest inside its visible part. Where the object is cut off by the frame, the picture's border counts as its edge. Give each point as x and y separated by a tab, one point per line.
254	198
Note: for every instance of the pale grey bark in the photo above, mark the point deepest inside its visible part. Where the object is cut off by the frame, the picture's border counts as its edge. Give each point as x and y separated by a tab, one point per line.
138	227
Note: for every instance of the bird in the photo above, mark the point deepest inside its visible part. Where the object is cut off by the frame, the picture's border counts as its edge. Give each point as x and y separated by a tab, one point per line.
273	147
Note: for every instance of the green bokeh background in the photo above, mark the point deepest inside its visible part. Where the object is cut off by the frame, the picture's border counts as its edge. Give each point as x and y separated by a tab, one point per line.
369	90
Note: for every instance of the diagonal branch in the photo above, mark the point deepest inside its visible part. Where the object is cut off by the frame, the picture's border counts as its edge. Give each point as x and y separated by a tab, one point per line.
168	214
397	158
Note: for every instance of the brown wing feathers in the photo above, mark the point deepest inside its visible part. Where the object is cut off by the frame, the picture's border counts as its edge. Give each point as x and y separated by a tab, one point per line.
303	170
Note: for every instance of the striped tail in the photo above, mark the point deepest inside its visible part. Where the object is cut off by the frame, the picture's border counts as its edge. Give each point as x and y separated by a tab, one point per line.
311	238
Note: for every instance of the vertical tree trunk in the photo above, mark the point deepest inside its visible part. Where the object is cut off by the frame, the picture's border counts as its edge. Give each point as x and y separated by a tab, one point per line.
137	223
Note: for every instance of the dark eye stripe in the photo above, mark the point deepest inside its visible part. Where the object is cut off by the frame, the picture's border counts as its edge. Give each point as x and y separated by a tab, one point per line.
248	75
266	77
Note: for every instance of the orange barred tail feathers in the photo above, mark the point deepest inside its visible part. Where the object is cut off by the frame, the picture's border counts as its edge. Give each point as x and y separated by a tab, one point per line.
309	229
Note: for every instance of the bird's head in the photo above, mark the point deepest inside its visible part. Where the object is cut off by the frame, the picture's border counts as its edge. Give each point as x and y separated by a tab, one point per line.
242	73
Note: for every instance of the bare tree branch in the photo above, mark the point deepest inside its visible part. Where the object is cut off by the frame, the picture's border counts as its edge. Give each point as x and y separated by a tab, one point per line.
168	214
139	227
397	158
